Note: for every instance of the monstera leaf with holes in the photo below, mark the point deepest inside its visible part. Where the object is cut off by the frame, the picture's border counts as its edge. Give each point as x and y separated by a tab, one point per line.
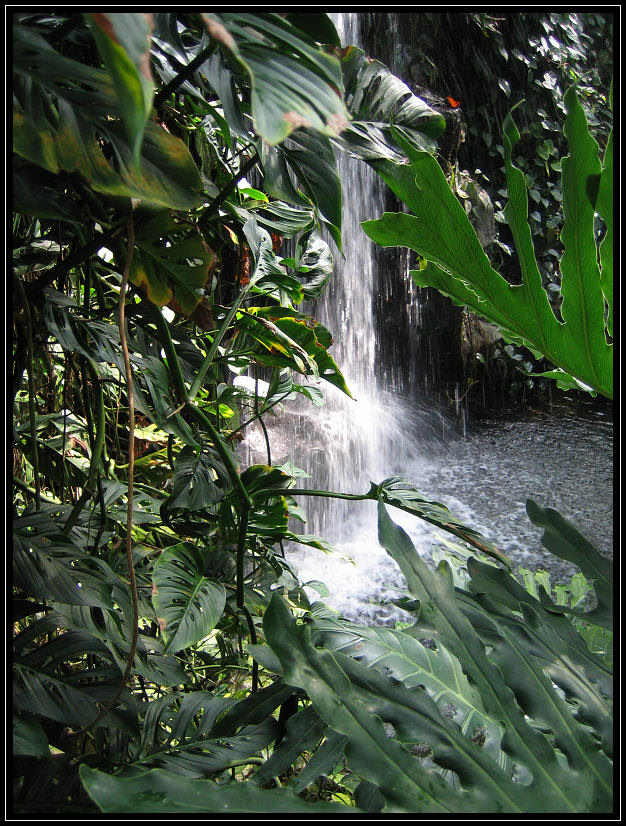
381	107
187	603
172	263
454	262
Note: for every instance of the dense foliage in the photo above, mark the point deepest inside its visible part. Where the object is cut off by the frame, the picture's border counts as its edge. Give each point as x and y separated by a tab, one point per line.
171	176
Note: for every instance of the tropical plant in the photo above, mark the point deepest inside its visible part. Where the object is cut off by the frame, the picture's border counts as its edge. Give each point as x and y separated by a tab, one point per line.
165	656
579	343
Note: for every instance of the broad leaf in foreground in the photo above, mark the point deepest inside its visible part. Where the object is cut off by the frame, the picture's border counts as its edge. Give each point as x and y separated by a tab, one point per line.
162	792
385	725
510	696
562	539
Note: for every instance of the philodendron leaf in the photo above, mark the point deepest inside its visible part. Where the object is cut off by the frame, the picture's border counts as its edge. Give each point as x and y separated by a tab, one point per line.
378	101
385	724
293	82
188	604
604	205
200	480
555	787
35	691
401	656
203	755
286	338
162	792
562	539
29	738
440	231
172	263
123	40
402	494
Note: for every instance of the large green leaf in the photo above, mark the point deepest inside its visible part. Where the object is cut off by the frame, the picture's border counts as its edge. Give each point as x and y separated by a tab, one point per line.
293	82
285	338
322	762
550	647
124	43
555	786
161	792
309	155
200	480
37	692
202	755
187	603
604	205
50	565
29	738
172	263
65	118
440	231
401	656
528	669
357	701
378	101
303	732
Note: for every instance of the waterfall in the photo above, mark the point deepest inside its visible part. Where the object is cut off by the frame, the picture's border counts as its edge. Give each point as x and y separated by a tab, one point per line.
386	333
351	442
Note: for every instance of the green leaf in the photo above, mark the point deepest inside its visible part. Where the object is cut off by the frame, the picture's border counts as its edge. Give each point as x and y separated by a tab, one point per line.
286	338
29	738
562	539
323	762
382	106
554	787
403	494
303	732
440	231
583	306
200	480
316	25
202	755
161	792
46	695
310	155
172	263
187	603
123	41
604	206
293	83
529	667
356	701
80	131
401	656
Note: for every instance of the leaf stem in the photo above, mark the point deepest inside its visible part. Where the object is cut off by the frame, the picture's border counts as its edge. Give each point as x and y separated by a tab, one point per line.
183	75
31	391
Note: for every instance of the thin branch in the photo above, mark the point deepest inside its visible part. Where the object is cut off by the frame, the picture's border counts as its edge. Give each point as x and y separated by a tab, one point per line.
183	75
131	467
31	392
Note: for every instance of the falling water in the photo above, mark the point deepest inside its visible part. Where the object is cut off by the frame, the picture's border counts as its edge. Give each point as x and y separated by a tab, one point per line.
385	430
353	442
